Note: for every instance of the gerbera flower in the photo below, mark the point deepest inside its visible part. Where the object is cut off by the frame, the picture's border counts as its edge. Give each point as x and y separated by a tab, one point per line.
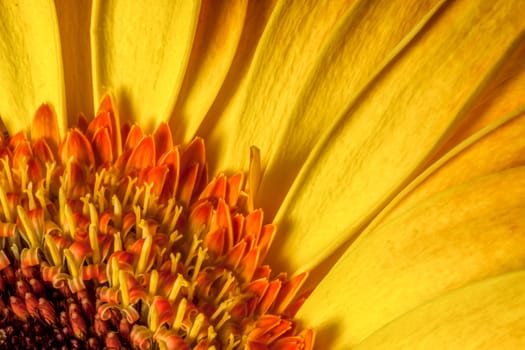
386	146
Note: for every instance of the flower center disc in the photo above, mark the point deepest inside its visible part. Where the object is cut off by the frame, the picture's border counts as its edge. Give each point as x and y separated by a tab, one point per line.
115	239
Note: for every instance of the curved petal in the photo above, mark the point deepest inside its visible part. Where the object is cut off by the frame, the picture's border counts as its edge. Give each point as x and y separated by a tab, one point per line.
455	237
498	147
74	20
258	13
140	51
485	315
30	62
216	40
502	95
396	126
285	54
347	64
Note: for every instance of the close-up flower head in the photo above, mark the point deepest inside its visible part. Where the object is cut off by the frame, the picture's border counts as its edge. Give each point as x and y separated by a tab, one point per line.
262	174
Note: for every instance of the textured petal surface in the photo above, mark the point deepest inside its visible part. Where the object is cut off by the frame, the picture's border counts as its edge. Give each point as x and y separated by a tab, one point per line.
458	236
140	51
409	111
344	67
504	94
216	40
499	146
74	19
485	315
258	14
285	54
30	62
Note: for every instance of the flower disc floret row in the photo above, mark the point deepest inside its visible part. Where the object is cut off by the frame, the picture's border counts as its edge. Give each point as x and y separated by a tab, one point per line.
113	238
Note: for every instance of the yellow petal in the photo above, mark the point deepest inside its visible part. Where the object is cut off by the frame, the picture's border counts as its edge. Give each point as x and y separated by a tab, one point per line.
74	20
485	315
30	62
139	53
502	95
455	237
348	63
257	16
216	40
393	129
499	146
287	51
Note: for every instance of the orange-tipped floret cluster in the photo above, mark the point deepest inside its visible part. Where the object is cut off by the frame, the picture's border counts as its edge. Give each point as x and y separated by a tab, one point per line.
115	239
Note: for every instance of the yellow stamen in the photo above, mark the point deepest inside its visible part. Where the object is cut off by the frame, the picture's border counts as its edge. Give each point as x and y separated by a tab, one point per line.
129	189
153	318
181	310
194	244
53	250
136	196
147	198
93	241
5	205
174	259
174	237
72	263
114	272
93	214
167	212
137	211
62	202
201	254
40	194
153	282
231	342
117	211
176	287
86	200
222	307
30	197
15	251
117	242
225	286
8	174
98	190
70	221
175	218
124	292
225	317
195	328
144	252
211	334
23	176
32	235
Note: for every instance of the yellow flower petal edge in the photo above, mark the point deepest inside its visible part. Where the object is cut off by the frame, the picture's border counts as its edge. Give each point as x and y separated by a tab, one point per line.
285	54
140	52
216	40
30	62
497	147
458	236
335	83
74	21
500	146
351	167
485	315
502	95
